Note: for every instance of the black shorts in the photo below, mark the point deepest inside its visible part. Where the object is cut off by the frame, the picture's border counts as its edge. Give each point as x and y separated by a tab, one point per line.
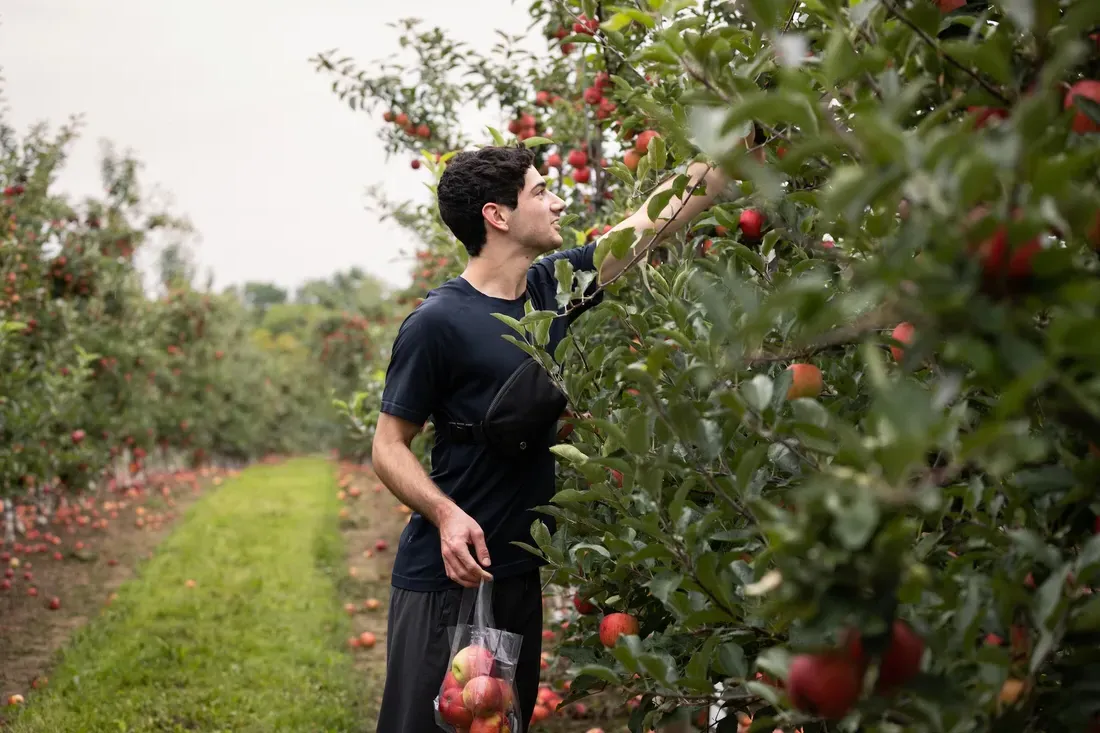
418	649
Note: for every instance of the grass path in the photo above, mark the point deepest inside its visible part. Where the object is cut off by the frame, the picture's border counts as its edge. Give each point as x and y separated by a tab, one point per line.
256	644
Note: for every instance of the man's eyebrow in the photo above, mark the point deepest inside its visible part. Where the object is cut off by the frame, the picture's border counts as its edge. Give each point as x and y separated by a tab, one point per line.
540	184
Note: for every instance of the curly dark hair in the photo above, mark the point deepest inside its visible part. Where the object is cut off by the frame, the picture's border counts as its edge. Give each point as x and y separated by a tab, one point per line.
474	178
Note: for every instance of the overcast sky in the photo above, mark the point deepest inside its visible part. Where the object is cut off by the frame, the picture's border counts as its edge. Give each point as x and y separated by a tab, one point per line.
217	98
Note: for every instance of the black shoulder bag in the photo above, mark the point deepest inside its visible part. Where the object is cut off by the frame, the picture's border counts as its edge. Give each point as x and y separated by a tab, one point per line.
523	414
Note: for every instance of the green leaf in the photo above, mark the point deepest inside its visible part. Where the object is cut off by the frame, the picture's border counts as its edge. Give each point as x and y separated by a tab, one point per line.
700	662
758	392
663	584
841	61
533	142
731	660
570	453
498	139
516	325
774	662
659	667
855	522
1050	596
1034	547
600	672
657	203
637	434
1088	562
983	56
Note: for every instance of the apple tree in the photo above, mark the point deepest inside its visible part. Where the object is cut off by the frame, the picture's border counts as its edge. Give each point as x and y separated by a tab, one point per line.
98	379
838	463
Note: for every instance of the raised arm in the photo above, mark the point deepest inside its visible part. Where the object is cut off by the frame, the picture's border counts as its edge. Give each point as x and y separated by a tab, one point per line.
674	216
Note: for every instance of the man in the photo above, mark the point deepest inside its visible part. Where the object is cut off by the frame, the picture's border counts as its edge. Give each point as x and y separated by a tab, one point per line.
448	360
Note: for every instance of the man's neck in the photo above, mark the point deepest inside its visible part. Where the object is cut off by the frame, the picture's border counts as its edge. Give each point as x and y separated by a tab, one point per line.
499	274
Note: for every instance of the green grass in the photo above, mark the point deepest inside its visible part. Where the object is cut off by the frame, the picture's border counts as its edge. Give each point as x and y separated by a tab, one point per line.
255	646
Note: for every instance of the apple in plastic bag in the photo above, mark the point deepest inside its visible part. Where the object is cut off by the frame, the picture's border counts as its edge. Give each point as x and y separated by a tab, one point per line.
470	662
495	723
453	708
449	682
482	695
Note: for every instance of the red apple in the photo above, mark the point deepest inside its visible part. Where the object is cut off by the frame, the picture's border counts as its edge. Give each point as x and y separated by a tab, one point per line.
577	158
453	708
482	695
631	159
751	223
78	437
1089	89
495	723
582	175
450	683
827	684
903	332
983	115
641	143
381	545
614	625
901	662
805	382
1000	259
583	605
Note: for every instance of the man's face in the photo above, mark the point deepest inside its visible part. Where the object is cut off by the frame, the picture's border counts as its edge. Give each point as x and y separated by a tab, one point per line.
534	222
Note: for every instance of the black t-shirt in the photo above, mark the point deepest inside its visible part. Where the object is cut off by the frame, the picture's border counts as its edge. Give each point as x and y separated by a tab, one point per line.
449	358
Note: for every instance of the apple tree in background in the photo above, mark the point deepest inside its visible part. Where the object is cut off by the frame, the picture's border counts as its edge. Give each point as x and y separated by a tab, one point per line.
842	465
99	380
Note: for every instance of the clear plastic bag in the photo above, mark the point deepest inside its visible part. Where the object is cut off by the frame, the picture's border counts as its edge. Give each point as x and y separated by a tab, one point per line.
478	694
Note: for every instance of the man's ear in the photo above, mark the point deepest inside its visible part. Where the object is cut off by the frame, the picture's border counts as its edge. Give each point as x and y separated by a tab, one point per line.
496	216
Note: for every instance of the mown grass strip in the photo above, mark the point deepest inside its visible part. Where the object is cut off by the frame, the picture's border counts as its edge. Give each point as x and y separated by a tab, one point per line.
255	645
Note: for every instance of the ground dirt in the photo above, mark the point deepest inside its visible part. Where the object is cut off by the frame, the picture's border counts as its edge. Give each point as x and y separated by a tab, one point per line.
94	562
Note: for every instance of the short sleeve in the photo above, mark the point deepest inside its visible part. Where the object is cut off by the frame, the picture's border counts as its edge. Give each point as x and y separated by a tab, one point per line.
414	377
542	277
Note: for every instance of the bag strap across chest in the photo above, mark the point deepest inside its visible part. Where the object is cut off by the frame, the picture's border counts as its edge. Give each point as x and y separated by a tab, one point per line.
522	414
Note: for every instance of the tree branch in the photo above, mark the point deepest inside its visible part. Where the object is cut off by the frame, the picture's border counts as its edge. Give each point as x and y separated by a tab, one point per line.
843	336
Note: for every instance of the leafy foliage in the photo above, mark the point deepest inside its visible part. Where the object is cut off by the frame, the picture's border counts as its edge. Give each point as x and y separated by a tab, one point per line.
99	376
924	163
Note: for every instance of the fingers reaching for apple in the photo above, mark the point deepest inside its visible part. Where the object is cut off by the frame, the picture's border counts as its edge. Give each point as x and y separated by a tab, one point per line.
457	532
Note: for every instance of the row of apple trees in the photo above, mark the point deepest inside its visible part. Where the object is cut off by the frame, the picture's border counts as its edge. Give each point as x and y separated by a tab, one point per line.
901	532
101	380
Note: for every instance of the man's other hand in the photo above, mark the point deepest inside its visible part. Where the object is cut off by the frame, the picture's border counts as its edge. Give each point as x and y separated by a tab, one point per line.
457	532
